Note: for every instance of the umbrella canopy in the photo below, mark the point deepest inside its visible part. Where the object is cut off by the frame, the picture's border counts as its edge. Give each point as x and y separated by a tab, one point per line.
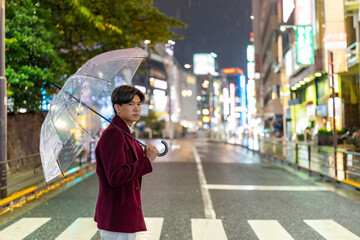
70	123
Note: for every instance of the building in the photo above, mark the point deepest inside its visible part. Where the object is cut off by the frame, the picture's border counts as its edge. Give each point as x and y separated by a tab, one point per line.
265	25
293	44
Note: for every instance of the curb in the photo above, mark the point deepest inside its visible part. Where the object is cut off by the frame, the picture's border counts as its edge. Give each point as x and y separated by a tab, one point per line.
20	198
350	183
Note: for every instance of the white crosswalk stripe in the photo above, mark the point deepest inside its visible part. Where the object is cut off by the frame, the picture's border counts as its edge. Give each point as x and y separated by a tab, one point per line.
269	230
207	229
81	229
264	187
202	229
22	228
331	230
154	226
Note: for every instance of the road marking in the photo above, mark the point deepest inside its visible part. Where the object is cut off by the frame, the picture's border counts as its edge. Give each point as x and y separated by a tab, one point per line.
207	229
269	230
154	226
331	230
22	228
208	206
264	187
81	229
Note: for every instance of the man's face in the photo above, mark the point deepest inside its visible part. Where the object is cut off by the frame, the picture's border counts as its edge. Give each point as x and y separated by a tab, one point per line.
129	112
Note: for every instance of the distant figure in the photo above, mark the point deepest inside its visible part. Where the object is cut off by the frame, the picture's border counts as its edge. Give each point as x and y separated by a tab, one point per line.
121	162
184	132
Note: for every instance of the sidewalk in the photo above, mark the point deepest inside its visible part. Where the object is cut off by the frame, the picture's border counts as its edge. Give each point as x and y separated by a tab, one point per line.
25	192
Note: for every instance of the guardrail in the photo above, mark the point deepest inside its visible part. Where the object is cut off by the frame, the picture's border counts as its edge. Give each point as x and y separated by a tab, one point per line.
26	171
315	159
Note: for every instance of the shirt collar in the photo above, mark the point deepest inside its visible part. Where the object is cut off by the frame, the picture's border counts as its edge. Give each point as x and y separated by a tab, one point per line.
131	129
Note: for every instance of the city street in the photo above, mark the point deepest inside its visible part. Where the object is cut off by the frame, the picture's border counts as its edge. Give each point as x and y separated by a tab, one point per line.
203	190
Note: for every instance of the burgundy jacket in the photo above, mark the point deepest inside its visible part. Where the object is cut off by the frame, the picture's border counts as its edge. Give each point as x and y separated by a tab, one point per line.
120	164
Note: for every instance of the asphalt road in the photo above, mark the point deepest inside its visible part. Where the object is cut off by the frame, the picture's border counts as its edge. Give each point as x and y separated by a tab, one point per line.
203	190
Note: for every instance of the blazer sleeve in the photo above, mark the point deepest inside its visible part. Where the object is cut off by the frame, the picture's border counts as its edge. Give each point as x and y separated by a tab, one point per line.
113	157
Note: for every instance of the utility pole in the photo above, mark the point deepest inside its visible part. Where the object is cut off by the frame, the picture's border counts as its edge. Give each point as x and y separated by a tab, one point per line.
332	82
3	107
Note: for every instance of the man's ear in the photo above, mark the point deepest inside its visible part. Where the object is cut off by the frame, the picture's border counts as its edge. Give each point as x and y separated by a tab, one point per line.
117	107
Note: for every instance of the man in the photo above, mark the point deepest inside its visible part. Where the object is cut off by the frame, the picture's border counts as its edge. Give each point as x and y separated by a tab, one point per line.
121	162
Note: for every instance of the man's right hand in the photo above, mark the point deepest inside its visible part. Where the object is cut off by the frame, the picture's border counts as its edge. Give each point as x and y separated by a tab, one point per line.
151	152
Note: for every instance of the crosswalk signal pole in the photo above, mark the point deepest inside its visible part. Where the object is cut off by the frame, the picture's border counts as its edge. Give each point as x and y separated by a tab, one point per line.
3	107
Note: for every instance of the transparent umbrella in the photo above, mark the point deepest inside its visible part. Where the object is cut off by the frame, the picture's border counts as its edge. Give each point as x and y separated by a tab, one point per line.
75	112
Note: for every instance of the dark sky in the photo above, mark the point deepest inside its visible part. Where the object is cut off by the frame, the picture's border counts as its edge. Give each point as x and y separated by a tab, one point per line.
219	26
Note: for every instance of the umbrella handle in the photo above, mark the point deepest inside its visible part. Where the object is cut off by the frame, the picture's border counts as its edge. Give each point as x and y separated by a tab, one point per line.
166	149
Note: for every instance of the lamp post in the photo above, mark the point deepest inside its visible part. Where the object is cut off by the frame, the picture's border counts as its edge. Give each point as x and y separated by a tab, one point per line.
3	107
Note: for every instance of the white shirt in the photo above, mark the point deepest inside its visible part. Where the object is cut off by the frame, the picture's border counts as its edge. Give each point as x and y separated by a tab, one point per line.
131	129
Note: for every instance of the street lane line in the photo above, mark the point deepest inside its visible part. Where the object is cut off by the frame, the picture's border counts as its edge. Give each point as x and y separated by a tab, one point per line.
207	229
269	230
154	226
331	230
81	229
264	187
22	228
208	206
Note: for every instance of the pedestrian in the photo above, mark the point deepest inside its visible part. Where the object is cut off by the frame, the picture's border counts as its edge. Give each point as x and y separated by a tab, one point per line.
121	163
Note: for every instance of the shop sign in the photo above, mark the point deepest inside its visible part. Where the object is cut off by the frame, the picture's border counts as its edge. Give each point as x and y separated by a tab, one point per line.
305	45
295	101
303	12
335	34
204	63
288	8
310	110
321	111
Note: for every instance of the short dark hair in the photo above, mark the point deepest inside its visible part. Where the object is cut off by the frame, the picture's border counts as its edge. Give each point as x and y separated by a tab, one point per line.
125	94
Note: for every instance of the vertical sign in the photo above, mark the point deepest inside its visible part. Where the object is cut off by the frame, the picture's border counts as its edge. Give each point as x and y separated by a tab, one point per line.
335	34
303	12
305	45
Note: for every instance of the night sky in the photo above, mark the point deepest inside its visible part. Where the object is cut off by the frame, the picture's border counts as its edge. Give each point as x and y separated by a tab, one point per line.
222	27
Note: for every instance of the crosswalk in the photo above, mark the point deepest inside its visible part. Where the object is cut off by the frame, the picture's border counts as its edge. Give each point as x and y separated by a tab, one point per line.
202	229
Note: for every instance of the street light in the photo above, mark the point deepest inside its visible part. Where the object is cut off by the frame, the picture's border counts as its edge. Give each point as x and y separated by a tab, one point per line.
284	27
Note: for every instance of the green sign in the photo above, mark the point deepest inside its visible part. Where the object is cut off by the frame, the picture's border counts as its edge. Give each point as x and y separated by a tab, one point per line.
305	45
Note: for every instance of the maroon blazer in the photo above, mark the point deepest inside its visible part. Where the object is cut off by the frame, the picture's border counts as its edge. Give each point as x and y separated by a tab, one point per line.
120	164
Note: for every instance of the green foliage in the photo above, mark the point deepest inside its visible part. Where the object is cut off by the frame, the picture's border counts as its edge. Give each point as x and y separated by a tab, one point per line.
31	59
151	121
88	28
324	131
46	41
300	137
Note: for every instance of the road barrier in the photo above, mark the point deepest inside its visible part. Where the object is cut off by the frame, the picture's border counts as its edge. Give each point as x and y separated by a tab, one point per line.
26	171
315	159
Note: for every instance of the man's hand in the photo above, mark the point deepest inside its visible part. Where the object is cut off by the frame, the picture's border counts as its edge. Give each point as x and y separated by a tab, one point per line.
151	152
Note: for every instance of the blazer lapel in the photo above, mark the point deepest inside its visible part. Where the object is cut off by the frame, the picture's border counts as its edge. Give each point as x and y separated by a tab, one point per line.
120	123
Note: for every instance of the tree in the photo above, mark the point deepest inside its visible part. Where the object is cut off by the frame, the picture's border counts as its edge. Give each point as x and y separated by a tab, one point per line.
88	28
48	41
32	63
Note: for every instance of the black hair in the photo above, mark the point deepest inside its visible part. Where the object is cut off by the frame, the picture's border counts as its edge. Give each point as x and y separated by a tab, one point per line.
125	94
